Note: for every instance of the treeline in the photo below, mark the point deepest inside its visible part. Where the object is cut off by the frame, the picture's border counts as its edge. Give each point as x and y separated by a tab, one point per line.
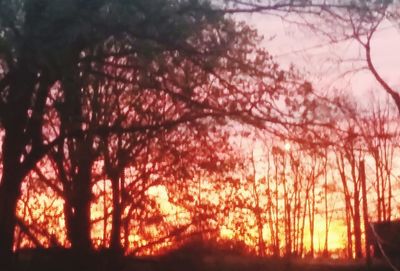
300	191
276	196
111	103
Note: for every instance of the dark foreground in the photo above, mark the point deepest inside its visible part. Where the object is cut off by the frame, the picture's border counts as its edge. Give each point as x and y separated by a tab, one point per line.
105	261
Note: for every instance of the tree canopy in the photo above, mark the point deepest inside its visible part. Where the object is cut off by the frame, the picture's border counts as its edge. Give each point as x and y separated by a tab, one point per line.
83	81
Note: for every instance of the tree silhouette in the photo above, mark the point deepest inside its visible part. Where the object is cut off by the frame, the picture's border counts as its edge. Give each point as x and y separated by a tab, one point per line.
59	56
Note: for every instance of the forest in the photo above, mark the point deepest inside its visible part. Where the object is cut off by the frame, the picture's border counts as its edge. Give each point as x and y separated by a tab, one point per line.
147	132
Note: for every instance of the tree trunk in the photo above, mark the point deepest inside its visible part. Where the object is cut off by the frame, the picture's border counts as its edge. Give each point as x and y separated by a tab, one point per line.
303	223
311	216
261	243
357	226
347	198
257	211
69	220
14	121
326	248
357	219
277	239
349	235
81	208
365	214
77	202
378	189
9	194
390	198
116	216
269	211
105	214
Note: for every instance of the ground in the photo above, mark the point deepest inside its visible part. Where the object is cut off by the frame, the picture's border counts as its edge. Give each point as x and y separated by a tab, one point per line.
104	261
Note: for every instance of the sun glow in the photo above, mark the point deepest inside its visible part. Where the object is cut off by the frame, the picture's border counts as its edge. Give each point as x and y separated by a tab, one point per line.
172	213
42	214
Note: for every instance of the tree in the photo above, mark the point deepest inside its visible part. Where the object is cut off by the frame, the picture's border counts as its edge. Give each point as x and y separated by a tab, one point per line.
339	20
149	43
379	130
34	57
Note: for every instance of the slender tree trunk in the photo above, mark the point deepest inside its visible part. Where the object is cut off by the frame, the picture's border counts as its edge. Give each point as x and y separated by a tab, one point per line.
326	248
347	198
116	215
303	223
105	213
257	211
295	214
276	192
311	214
390	198
349	235
357	227
383	192
126	234
357	216
261	243
287	219
270	216
365	213
378	189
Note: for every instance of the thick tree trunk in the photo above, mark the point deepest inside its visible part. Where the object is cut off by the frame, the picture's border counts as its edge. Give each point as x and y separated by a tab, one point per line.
78	197
69	220
81	158
77	214
9	194
81	240
14	144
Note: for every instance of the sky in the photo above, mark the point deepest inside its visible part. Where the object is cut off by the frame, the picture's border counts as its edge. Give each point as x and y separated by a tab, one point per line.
327	64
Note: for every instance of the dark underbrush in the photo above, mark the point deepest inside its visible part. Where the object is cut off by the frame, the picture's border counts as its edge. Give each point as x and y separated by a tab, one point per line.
185	259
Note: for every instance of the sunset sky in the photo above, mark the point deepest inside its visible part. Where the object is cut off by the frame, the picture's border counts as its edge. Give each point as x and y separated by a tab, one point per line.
187	131
325	61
